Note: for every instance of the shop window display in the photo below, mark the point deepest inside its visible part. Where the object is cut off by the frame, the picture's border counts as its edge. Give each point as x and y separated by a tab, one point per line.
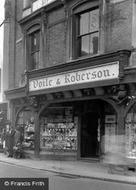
59	129
25	125
29	134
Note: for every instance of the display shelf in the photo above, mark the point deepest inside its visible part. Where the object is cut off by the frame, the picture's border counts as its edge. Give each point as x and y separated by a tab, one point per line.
59	129
59	138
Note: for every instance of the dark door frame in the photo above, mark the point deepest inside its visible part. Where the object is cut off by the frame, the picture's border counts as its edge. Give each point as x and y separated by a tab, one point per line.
100	116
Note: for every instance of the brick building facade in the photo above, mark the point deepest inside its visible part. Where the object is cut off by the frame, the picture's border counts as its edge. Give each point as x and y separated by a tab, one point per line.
71	75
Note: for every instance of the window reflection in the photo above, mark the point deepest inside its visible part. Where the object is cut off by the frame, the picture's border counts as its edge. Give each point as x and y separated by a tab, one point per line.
84	45
93	43
35	60
94	20
84	23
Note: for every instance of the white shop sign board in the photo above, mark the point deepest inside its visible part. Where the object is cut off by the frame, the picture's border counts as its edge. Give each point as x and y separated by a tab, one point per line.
84	75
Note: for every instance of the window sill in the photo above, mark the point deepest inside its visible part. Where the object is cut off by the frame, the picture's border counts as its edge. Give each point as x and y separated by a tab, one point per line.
83	57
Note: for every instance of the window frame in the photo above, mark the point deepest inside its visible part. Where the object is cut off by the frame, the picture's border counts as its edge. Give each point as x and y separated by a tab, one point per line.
88	34
33	50
34	29
76	12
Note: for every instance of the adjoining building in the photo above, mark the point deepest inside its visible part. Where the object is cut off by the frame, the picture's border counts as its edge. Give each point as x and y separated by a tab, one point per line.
3	123
72	76
3	116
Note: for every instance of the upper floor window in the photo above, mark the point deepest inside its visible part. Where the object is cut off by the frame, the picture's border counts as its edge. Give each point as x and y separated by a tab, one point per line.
34	50
29	6
26	4
33	46
88	33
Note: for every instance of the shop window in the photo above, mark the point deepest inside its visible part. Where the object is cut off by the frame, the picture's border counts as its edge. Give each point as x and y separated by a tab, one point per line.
25	125
33	47
130	127
58	129
87	35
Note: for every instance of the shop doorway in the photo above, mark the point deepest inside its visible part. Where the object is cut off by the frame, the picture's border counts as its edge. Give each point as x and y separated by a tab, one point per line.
90	135
98	125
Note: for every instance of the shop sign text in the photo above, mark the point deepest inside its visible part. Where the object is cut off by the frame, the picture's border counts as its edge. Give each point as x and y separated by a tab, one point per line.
84	75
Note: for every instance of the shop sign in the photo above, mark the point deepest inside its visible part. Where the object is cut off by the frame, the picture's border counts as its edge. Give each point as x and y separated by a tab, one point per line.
85	75
110	119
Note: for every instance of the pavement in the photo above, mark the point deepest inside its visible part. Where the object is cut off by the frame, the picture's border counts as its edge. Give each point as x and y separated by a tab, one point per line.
75	168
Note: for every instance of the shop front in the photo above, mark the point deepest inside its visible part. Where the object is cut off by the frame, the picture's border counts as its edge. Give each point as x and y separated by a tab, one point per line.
73	116
85	113
73	129
85	128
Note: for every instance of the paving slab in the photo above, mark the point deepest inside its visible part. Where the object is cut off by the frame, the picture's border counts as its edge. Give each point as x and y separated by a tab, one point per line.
77	168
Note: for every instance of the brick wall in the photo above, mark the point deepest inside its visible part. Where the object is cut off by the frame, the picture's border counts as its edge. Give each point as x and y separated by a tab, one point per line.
56	44
119	24
56	37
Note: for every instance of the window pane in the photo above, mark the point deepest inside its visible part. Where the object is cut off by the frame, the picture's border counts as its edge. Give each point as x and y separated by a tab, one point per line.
85	45
94	20
35	41
84	23
94	43
88	33
35	60
35	50
26	4
58	129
